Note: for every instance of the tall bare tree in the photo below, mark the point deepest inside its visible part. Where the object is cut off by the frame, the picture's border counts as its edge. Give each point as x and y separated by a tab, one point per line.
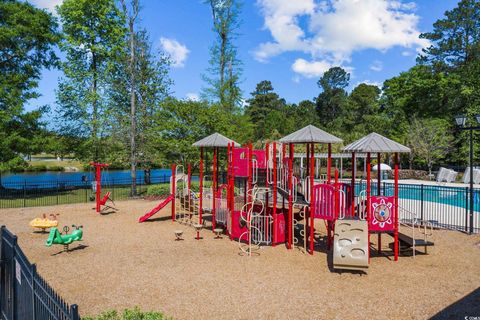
131	15
225	67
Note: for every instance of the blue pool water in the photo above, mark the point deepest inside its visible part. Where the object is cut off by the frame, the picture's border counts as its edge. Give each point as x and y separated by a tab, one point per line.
454	196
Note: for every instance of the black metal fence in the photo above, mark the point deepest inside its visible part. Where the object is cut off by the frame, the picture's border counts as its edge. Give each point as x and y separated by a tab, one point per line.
16	195
24	294
443	206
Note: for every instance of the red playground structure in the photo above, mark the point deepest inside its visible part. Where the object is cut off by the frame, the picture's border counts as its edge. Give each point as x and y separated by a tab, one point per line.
267	197
101	201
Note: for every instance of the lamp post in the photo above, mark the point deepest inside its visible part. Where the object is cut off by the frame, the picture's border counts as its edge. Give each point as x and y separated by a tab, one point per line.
461	120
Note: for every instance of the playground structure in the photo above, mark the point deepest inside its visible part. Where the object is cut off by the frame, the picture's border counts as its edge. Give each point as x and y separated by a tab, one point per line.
97	187
56	237
44	223
268	197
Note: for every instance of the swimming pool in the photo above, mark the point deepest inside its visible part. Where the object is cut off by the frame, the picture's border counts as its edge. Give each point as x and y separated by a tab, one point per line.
454	196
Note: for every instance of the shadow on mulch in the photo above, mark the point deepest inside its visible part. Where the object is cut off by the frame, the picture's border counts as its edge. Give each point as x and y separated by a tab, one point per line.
79	247
466	308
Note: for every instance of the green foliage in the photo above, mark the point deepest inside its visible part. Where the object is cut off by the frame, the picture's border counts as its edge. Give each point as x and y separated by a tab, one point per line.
429	140
225	67
332	102
129	314
93	33
27	38
158	190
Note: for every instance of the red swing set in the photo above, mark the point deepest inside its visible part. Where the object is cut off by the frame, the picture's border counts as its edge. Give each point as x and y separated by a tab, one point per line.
101	201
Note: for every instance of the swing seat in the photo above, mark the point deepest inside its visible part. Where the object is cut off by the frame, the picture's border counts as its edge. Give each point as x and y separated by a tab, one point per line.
103	202
105	198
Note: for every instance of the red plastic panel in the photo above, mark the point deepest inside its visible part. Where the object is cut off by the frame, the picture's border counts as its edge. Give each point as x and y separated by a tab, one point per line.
324	197
382	211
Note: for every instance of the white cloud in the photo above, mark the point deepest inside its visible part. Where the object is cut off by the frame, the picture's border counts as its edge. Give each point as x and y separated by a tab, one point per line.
372	83
377	66
310	69
178	52
334	29
46	4
406	53
192	96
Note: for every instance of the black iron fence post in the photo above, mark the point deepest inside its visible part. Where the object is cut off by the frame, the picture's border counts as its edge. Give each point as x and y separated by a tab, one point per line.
466	209
86	193
24	193
113	189
57	192
12	276
74	311
421	202
34	272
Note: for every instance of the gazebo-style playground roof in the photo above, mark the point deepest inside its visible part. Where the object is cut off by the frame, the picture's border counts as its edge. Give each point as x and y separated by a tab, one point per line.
376	143
215	140
310	134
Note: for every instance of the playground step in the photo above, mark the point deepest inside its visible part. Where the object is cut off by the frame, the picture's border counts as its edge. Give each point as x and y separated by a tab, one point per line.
300	196
407	241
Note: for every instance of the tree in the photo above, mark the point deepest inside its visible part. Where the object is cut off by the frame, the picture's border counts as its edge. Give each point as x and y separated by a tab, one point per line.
265	103
225	68
27	39
455	39
131	17
332	101
93	34
151	89
430	140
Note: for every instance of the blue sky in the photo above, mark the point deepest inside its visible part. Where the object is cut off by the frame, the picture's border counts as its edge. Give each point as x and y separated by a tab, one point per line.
289	42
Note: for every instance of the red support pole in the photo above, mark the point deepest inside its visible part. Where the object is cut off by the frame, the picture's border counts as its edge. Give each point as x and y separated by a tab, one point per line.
174	190
232	185
274	194
379	174
200	210
290	195
98	183
98	179
353	184
396	207
311	211
329	163
368	200
250	173
214	187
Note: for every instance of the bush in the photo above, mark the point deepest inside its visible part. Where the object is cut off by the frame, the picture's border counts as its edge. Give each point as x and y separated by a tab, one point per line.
55	168
37	168
129	314
158	189
16	164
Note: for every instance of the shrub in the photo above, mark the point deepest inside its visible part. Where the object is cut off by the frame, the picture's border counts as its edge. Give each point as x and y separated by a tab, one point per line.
158	189
16	164
55	168
37	168
129	314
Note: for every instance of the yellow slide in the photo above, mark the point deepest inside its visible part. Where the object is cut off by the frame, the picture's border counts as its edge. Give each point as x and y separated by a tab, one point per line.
350	245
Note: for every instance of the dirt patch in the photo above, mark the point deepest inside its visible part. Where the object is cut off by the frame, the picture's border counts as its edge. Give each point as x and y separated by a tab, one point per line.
124	264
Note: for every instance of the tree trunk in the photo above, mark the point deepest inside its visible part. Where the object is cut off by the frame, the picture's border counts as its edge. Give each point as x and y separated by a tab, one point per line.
133	120
222	68
94	107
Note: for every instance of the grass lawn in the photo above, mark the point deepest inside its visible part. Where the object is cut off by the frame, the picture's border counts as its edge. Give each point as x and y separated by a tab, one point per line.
65	163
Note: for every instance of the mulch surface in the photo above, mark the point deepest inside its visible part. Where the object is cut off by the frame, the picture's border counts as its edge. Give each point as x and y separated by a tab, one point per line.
122	263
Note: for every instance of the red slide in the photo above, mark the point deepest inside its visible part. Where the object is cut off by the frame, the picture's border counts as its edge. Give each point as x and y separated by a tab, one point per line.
156	209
